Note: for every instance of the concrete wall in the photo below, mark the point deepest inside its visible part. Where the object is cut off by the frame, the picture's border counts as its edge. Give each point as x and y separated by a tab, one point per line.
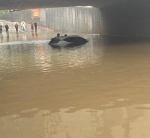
130	18
68	19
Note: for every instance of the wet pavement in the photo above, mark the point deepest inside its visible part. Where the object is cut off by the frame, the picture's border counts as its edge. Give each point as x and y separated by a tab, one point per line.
42	33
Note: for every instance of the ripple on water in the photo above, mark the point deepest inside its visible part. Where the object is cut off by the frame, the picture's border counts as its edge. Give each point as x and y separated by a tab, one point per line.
38	55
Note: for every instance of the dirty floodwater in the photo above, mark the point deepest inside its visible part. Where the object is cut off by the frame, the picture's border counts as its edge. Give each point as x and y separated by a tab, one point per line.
100	89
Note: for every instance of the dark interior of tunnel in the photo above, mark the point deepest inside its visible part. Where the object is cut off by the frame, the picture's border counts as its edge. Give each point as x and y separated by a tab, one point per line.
126	19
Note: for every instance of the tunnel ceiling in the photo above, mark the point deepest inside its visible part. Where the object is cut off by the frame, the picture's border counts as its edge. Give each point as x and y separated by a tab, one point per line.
28	4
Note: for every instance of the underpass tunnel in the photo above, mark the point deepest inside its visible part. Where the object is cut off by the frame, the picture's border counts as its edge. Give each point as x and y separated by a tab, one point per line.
126	18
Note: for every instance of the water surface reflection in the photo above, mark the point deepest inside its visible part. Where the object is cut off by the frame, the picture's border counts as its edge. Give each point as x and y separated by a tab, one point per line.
33	56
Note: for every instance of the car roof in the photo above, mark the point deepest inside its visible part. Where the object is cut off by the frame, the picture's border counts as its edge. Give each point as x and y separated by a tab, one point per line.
70	36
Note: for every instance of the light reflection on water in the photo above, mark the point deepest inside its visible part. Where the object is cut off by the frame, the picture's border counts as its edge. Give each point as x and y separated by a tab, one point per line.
100	89
41	56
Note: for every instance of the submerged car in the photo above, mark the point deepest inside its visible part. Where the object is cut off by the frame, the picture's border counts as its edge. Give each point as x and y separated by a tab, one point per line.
67	41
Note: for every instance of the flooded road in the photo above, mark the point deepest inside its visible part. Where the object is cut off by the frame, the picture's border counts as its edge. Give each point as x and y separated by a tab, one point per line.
100	89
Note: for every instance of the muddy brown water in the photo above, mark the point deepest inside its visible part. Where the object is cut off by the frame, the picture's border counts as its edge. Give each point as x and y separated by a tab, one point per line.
100	89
